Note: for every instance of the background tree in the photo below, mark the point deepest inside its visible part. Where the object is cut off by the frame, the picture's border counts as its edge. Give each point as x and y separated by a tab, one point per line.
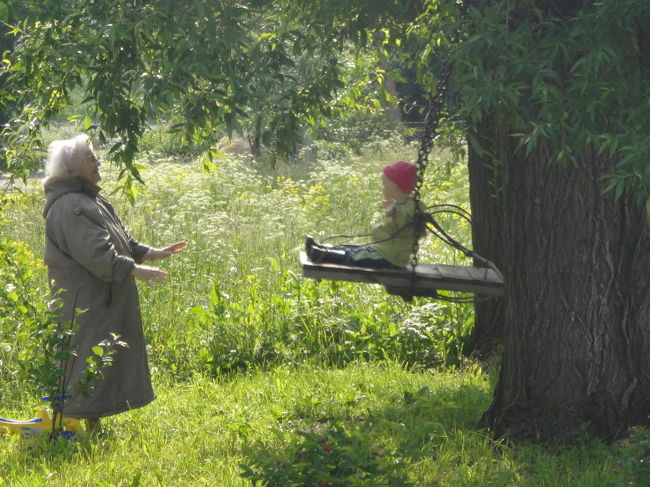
8	17
212	64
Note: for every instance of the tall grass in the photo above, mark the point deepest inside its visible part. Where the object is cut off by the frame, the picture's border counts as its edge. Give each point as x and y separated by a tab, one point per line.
235	298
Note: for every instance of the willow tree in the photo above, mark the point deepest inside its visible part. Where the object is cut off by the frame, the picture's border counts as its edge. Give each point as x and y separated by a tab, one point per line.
213	67
557	101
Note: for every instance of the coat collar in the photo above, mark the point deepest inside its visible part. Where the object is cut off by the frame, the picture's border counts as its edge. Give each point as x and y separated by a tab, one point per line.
54	189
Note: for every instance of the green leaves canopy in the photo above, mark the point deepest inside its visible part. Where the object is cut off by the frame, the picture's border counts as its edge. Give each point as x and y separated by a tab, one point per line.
209	62
574	77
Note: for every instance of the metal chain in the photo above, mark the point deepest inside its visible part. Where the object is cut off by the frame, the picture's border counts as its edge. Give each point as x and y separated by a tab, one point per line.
422	223
431	123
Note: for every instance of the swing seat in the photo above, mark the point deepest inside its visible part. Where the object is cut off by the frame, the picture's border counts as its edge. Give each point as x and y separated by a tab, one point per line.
429	278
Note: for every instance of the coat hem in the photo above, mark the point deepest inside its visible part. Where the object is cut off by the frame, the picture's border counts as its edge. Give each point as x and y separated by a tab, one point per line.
123	407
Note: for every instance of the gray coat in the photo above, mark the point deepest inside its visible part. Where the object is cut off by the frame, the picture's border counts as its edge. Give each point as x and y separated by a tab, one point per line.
89	256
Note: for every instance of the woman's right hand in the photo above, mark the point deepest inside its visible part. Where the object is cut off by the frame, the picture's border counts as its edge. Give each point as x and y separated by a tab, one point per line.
148	273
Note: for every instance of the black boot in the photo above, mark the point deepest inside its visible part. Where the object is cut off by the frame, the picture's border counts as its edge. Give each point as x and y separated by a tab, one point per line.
309	243
321	254
318	253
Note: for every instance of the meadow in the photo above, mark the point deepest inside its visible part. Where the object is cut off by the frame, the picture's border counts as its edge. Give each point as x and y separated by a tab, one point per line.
266	378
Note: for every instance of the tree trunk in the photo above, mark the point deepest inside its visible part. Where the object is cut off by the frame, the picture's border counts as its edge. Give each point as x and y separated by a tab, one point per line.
576	309
256	140
486	199
394	111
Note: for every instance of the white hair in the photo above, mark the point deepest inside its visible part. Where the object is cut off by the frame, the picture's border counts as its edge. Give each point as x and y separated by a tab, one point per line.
66	156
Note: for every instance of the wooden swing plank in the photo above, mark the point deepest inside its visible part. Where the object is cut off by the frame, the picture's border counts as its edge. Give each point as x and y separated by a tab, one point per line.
429	278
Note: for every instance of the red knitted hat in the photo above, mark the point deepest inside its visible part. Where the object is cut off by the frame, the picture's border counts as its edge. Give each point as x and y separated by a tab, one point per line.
403	174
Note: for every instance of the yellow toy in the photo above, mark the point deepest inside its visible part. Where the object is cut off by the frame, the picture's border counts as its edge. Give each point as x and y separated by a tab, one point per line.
34	427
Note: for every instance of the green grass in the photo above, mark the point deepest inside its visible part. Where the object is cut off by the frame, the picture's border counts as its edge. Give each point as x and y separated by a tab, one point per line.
206	431
258	370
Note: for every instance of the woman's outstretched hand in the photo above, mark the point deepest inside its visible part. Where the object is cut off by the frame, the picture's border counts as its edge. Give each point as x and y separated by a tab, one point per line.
166	252
148	273
153	274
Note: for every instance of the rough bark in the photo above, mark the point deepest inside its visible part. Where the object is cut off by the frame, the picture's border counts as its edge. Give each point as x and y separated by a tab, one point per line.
577	307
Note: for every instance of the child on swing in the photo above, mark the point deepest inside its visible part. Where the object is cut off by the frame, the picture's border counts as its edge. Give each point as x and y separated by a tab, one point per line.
393	237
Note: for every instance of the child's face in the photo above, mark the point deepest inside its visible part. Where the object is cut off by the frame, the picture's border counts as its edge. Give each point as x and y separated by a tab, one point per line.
391	190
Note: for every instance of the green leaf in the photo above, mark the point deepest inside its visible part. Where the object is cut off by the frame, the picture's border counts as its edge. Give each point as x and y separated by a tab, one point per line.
99	351
620	187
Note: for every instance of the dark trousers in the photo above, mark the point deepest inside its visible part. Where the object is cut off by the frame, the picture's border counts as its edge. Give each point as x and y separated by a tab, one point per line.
353	258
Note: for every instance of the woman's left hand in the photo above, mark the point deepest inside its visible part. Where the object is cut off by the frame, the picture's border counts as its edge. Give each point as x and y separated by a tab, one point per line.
166	252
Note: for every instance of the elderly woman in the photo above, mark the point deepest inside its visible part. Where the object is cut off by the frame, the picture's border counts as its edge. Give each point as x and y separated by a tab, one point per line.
92	265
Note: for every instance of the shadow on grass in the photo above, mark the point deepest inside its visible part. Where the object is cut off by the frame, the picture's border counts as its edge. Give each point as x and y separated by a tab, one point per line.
371	446
429	437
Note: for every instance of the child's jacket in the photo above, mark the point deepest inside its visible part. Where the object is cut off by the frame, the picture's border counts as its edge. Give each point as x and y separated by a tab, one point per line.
396	233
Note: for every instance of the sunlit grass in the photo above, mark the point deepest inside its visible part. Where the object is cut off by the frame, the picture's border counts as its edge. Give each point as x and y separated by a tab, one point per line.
205	431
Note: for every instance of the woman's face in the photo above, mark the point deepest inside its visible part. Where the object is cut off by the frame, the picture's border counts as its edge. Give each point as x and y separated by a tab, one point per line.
90	168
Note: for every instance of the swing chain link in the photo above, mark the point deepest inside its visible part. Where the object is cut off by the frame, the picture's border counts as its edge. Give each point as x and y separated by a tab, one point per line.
421	218
431	124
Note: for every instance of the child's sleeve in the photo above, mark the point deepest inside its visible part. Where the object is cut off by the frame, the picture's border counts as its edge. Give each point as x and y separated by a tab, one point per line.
384	229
